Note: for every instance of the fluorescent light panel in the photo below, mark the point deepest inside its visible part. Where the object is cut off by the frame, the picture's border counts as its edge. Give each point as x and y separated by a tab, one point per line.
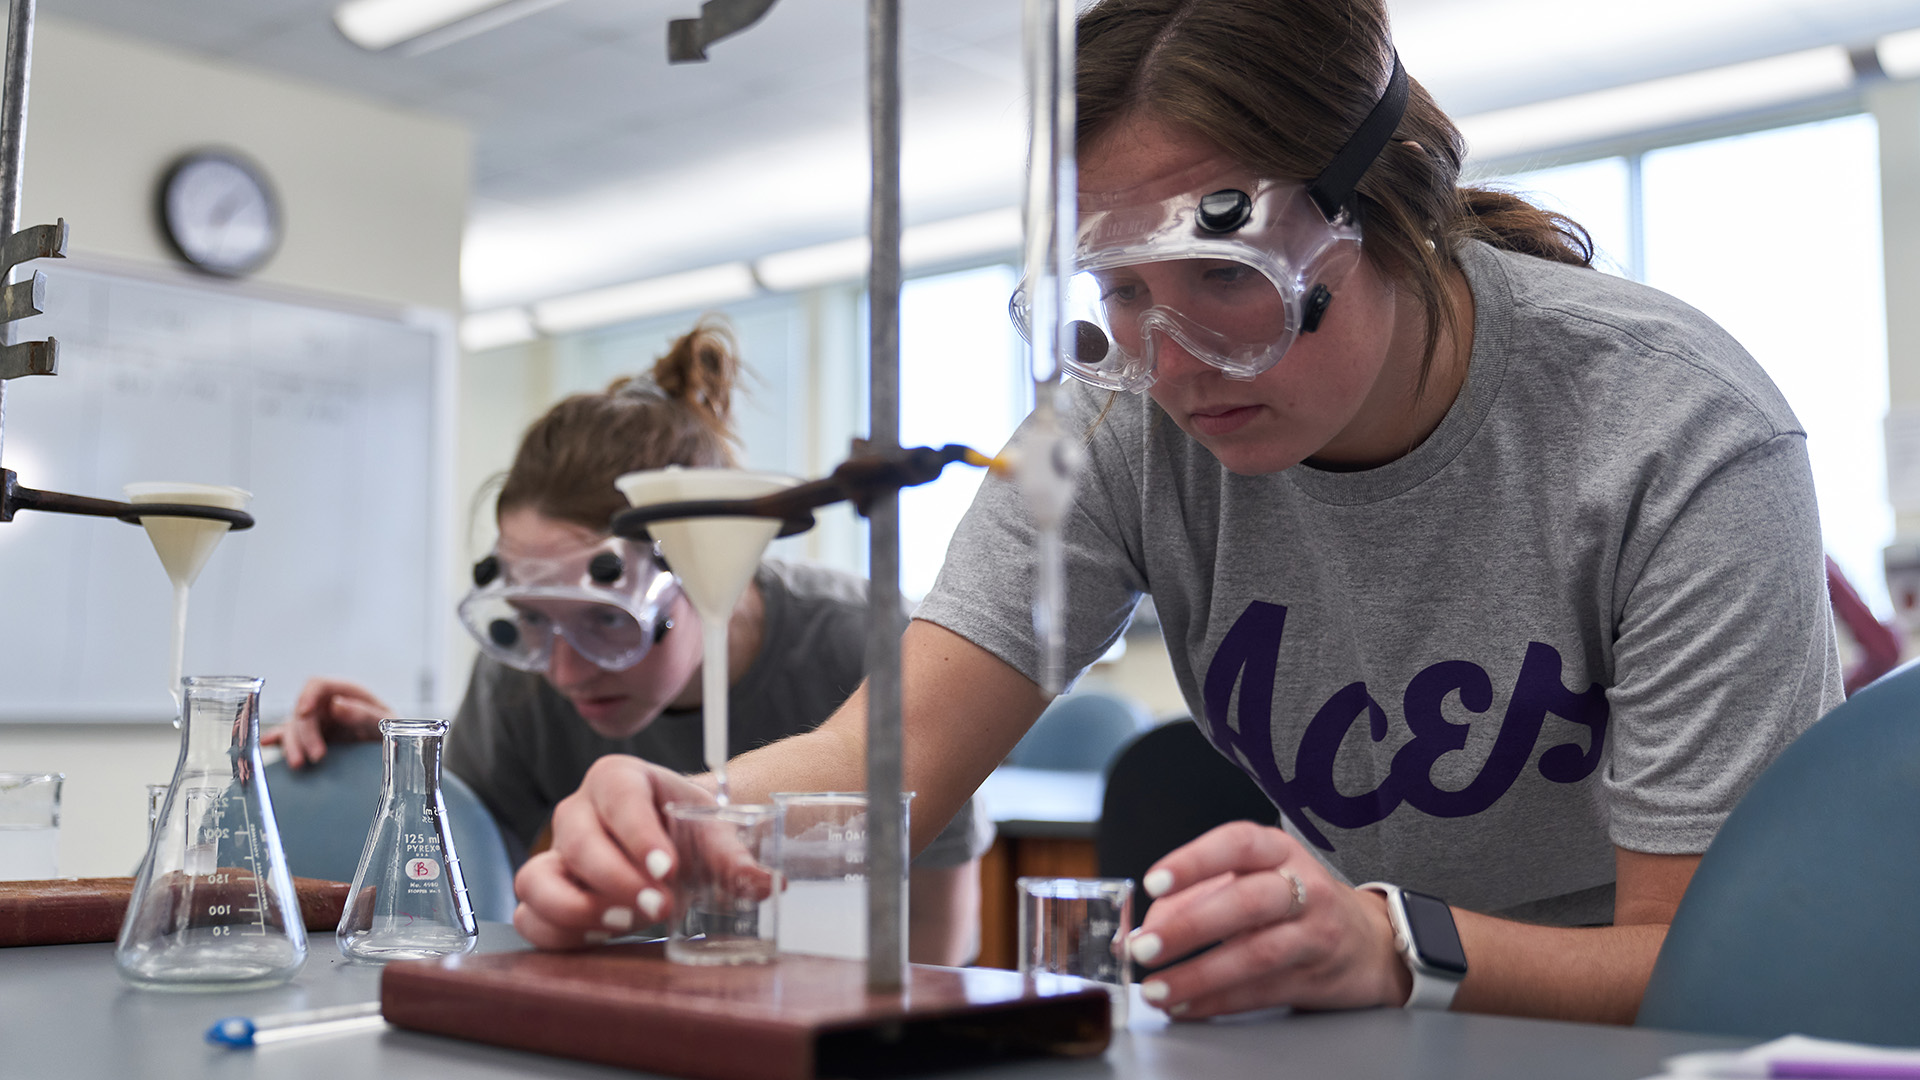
1660	103
1899	54
972	236
639	299
495	329
424	25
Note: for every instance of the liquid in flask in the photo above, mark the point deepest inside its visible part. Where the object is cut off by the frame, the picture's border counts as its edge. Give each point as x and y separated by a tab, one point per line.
409	900
213	904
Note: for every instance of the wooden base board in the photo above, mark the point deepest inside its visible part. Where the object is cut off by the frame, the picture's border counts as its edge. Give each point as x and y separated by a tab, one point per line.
798	1018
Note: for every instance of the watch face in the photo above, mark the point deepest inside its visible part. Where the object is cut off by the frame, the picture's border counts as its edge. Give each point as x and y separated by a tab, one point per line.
219	213
1435	940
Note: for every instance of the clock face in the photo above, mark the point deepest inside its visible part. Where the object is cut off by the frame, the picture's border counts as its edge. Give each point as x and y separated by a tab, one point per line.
219	213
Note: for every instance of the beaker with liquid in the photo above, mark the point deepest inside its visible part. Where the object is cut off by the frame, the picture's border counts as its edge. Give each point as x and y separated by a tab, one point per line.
29	825
213	905
823	866
409	899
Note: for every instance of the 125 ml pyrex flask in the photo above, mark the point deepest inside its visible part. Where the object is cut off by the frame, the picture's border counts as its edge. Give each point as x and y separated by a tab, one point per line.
213	907
408	899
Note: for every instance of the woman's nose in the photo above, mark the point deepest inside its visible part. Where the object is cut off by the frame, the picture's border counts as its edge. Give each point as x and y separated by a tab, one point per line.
566	667
1171	363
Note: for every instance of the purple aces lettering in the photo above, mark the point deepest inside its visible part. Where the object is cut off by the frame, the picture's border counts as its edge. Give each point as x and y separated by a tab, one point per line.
1249	657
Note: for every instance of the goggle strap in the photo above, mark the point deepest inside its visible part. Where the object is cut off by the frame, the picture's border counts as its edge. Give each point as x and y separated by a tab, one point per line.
1332	190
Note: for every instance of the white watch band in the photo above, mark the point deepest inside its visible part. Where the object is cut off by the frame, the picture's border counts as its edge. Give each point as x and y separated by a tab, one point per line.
1431	989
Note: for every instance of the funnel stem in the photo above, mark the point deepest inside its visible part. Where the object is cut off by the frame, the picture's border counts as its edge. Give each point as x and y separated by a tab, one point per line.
177	660
713	699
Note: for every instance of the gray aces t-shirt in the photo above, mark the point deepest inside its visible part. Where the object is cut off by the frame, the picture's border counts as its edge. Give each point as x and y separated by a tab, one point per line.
1585	612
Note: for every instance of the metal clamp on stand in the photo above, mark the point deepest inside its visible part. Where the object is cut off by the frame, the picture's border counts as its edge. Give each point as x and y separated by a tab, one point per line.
858	480
14	497
24	299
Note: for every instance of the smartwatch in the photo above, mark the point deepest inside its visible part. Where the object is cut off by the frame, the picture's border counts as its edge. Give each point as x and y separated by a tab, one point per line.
1424	936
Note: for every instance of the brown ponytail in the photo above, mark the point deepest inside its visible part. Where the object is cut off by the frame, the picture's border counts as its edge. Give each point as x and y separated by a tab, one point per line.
681	414
1280	85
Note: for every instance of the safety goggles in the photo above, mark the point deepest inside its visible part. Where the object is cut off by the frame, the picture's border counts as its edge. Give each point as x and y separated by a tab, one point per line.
610	601
1231	270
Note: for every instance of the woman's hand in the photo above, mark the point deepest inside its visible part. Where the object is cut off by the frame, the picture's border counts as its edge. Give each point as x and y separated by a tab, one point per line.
328	710
1288	933
611	853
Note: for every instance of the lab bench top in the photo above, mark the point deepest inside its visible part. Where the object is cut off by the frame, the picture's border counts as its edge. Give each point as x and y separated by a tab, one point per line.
65	1014
1051	803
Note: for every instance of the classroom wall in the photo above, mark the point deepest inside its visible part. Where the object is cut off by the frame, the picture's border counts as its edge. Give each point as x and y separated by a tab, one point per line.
374	200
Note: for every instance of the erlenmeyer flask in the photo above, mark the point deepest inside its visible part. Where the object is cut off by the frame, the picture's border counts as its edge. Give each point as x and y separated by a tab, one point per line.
408	899
213	906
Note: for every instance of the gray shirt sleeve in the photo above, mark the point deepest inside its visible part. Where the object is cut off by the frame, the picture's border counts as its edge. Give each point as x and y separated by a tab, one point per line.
1724	653
488	747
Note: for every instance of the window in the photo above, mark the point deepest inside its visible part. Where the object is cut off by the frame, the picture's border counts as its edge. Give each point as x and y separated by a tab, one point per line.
1784	254
963	379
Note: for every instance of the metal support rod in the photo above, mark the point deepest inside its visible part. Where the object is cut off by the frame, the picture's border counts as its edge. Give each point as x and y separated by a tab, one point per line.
13	138
886	840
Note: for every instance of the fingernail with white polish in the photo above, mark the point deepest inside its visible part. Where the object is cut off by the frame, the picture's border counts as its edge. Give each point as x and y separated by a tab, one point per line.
617	918
596	937
659	863
1178	1010
1144	948
1158	882
1154	990
650	902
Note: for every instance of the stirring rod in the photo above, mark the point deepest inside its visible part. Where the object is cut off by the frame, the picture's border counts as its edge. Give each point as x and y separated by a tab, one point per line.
244	1031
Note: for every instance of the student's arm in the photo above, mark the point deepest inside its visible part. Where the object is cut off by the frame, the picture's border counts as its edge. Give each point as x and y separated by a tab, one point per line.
1336	951
327	711
963	709
943	913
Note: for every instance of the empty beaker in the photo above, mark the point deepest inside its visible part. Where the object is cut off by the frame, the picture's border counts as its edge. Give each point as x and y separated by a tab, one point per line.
1076	928
823	864
409	900
29	825
213	905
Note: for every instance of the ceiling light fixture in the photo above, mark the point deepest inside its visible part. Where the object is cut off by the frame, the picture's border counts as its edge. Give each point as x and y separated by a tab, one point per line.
1657	104
419	26
706	287
995	232
496	329
1899	54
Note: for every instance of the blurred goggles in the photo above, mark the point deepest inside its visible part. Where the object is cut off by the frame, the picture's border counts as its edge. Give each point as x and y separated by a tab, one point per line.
1230	270
609	600
1231	275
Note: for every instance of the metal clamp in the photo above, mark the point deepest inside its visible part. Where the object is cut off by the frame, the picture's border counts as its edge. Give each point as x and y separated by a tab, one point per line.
687	39
858	480
14	498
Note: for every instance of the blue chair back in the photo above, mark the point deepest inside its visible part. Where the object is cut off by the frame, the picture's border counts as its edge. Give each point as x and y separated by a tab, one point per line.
1801	917
1081	732
325	811
1166	787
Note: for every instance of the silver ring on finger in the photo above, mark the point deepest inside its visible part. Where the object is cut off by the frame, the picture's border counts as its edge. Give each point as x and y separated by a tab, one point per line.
1298	906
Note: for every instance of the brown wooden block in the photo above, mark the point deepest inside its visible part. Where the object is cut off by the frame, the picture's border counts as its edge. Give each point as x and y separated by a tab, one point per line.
798	1018
70	911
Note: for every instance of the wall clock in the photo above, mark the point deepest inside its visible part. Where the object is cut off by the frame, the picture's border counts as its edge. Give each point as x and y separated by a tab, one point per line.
219	213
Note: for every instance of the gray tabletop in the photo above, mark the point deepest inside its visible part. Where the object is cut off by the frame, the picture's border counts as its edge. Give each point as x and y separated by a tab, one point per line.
65	1014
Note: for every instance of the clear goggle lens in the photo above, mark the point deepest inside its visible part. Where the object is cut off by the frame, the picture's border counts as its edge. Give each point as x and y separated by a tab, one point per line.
1224	313
518	630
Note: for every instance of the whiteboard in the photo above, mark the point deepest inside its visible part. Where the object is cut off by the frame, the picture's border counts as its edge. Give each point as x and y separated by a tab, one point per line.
329	417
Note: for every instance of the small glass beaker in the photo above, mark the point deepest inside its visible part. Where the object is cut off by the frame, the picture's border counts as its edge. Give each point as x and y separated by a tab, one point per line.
409	900
213	904
1077	927
30	825
726	895
823	867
